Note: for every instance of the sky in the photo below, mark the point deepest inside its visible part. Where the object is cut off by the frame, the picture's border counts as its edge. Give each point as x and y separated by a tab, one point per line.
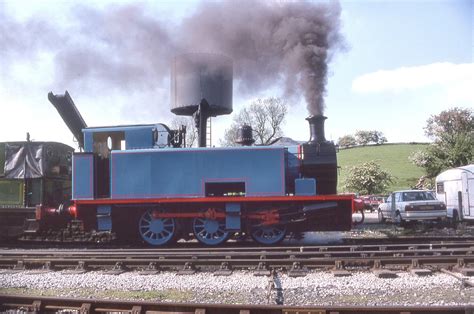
402	62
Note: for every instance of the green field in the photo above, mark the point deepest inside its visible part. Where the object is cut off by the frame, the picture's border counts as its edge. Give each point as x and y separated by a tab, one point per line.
393	158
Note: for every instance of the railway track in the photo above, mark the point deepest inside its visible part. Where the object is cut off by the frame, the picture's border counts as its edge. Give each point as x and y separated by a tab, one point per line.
345	240
242	243
298	261
453	258
52	304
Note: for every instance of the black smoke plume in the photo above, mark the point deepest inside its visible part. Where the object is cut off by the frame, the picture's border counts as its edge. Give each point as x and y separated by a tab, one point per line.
129	48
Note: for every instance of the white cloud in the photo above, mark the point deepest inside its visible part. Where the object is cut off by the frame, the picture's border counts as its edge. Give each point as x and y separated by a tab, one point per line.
457	77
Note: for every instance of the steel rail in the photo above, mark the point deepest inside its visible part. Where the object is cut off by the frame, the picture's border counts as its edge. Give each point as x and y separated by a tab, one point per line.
414	253
357	257
50	304
415	249
300	248
58	262
186	245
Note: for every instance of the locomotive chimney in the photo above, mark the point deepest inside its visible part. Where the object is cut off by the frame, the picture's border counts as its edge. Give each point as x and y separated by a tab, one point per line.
316	129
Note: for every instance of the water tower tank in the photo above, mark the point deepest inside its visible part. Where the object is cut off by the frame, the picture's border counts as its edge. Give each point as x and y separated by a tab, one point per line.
201	76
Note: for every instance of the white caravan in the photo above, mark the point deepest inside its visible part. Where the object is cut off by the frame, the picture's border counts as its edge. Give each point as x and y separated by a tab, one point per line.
455	187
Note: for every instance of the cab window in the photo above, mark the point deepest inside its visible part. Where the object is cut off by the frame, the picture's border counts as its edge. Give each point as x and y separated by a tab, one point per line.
104	142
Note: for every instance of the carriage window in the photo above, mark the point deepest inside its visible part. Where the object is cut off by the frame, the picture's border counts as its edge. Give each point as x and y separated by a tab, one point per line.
58	161
440	188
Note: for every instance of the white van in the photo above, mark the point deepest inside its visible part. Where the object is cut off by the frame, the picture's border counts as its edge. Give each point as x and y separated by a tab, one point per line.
455	187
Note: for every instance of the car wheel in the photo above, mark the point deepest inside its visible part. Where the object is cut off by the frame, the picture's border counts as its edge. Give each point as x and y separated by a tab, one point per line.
358	217
455	219
380	216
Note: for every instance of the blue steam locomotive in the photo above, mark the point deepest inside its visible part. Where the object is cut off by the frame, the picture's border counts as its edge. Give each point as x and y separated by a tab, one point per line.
141	180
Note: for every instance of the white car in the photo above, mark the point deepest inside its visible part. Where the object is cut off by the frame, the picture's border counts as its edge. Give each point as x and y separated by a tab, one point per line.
409	205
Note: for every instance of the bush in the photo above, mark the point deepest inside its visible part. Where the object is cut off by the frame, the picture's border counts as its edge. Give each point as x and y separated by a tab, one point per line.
367	178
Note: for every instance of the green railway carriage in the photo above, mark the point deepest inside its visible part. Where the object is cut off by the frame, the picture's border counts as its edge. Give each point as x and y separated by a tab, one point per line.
32	175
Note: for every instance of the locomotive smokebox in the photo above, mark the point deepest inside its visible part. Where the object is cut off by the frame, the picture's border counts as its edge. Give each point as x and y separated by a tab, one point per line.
201	86
318	158
316	129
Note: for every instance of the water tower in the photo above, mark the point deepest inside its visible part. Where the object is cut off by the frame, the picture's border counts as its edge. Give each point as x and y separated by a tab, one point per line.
201	87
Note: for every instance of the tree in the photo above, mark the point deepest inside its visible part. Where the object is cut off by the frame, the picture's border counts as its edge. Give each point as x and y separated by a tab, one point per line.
367	178
449	123
367	137
453	146
265	116
425	160
347	141
362	137
378	137
191	131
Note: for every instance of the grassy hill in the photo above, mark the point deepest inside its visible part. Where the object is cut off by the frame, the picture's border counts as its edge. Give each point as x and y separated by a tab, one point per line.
393	158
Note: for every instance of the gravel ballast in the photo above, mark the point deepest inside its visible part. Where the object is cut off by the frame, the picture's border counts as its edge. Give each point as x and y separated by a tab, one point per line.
317	288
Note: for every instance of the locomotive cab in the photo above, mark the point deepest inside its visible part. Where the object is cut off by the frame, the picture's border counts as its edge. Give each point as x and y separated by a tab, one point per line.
101	141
